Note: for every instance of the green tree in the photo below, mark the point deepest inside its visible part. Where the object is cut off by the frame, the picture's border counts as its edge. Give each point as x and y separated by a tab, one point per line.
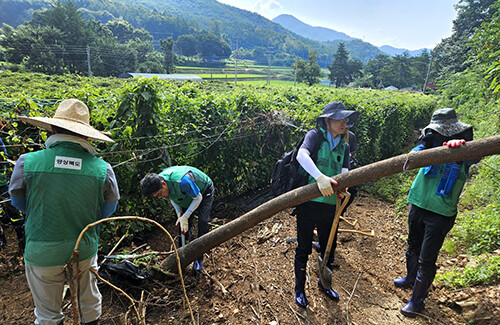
37	47
374	68
187	45
339	70
451	54
153	63
420	66
308	72
487	47
215	28
170	58
343	71
60	40
209	44
398	73
125	32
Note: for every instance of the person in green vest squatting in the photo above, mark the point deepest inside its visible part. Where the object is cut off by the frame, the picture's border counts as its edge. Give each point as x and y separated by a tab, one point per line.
189	190
323	154
62	189
433	199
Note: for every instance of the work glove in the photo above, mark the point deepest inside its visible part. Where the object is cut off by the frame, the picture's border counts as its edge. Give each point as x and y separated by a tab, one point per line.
183	221
454	143
341	193
325	185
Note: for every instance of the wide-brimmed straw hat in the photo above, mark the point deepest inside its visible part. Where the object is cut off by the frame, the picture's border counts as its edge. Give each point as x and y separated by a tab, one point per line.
71	114
445	122
337	111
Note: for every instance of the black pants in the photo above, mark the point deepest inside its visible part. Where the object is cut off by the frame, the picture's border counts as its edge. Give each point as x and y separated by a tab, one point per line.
203	212
312	215
13	216
427	231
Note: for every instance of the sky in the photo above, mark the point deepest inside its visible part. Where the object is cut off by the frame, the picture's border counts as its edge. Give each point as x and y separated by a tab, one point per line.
408	24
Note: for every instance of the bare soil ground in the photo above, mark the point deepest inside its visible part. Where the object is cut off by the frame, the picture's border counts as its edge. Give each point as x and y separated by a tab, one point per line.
249	280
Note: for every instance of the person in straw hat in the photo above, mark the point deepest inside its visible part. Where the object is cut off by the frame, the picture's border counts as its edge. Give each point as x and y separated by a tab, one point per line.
433	199
62	189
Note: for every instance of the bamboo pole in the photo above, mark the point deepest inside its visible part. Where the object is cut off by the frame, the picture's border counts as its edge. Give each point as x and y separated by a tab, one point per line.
468	151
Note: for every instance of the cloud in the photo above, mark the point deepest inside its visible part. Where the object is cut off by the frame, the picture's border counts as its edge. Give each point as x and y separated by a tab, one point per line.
266	5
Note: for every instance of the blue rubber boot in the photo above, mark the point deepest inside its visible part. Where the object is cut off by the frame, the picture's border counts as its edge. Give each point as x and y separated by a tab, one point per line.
315	245
416	303
411	272
198	264
300	282
332	294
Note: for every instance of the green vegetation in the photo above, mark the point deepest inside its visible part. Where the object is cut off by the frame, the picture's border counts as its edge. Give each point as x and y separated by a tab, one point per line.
233	132
485	270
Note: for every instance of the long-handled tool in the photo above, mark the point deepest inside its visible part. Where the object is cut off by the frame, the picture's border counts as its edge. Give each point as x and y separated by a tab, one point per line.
370	233
325	274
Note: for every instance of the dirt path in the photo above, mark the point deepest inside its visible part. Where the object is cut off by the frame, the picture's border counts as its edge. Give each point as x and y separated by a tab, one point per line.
249	280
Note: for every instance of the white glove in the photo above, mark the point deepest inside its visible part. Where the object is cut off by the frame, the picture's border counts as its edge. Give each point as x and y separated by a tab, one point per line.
183	220
325	185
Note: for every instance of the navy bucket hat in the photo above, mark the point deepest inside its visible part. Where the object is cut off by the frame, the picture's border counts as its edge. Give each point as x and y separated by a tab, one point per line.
337	111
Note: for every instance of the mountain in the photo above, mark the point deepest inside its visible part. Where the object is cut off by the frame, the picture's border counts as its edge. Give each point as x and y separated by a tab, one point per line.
321	34
397	51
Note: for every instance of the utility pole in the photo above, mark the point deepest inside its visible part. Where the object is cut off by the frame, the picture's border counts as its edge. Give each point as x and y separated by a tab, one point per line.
295	74
269	51
236	64
427	76
88	60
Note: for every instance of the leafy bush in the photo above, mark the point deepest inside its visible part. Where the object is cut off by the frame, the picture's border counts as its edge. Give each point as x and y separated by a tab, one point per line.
233	133
485	271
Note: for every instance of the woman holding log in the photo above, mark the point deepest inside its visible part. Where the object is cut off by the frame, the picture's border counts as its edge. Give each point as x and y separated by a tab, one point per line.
433	200
332	158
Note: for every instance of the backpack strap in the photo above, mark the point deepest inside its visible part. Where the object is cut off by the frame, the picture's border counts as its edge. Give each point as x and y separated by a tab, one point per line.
317	144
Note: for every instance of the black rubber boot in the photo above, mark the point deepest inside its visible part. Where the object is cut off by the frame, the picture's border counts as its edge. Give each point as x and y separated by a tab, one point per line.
198	264
411	272
420	289
300	282
332	294
315	245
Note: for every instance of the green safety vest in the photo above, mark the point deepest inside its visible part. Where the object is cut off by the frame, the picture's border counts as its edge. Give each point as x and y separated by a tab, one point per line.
64	193
330	163
173	176
423	192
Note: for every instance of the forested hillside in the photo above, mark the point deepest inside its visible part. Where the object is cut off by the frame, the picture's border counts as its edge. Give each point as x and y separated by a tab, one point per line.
175	18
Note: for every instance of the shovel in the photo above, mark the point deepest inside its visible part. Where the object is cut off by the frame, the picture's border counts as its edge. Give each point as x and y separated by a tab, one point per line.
325	274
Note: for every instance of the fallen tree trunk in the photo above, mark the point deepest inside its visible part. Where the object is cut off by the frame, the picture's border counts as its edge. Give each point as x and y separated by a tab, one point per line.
468	151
